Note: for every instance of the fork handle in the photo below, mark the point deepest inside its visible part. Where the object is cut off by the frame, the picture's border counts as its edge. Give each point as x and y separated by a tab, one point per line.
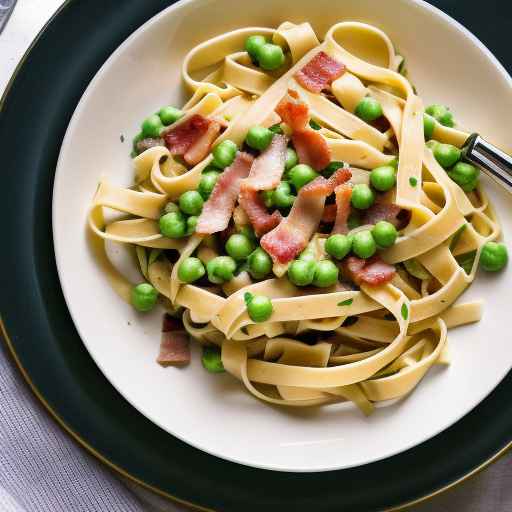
493	162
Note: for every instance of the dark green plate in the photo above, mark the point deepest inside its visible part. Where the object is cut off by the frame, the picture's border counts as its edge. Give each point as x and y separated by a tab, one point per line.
34	116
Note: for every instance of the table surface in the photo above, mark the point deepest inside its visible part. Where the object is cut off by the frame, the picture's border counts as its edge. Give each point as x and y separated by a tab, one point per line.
491	490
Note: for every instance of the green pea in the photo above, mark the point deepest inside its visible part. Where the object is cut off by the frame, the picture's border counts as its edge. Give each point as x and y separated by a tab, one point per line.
368	109
152	126
283	198
173	225
253	45
465	175
212	360
384	234
301	175
354	220
191	202
144	297
224	153
326	274
259	308
259	137
276	129
364	245
338	246
494	256
362	196
383	178
446	154
239	246
431	144
268	198
441	114
191	225
169	115
429	124
308	254
220	269
207	184
291	159
302	272
260	263
171	207
332	168
270	56
136	140
249	233
190	270
210	168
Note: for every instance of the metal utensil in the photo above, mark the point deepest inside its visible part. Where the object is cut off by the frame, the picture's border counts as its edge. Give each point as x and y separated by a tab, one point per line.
6	8
493	162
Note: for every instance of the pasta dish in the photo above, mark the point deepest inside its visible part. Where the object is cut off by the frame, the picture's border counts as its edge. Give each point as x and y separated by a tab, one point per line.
304	217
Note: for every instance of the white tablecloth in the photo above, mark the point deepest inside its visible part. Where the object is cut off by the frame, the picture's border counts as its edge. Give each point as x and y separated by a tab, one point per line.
43	470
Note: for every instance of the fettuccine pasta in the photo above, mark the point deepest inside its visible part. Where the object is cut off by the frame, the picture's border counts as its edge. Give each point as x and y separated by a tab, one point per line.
292	219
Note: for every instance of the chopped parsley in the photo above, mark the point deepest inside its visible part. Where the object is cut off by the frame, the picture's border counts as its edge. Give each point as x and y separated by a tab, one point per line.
248	298
405	311
347	302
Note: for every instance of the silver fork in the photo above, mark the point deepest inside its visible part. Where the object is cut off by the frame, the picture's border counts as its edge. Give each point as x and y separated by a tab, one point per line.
6	8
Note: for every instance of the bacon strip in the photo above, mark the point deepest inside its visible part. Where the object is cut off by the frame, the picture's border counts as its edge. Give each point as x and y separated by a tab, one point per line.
292	235
372	271
174	344
253	205
220	205
182	137
319	72
343	197
293	112
312	149
329	214
266	172
382	211
311	146
200	149
267	169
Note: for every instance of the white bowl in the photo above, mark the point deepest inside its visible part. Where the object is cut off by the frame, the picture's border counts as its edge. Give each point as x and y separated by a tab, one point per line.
212	412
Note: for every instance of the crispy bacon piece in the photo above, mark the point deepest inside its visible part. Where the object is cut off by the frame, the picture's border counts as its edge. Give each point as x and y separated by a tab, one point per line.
382	211
372	271
192	138
293	112
182	137
220	205
267	169
174	344
312	149
292	235
311	146
329	214
261	220
266	172
200	149
343	196
319	72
